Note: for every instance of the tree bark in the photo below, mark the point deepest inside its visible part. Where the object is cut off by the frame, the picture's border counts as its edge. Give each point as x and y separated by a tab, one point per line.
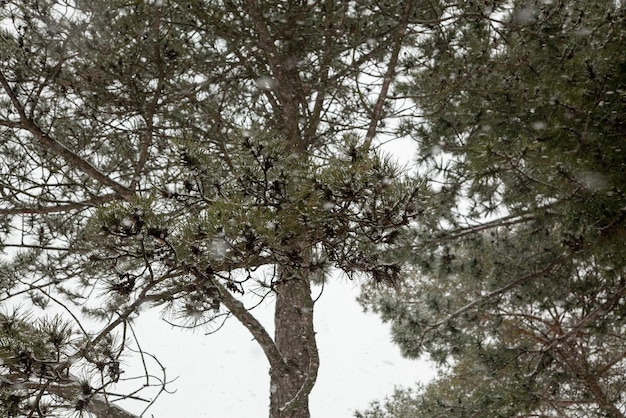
291	385
292	354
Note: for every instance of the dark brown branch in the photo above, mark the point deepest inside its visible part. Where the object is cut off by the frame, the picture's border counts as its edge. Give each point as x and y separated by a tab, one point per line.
289	86
147	139
98	200
78	162
596	314
247	320
99	406
580	368
60	149
377	113
13	97
10	124
142	298
37	247
314	117
70	389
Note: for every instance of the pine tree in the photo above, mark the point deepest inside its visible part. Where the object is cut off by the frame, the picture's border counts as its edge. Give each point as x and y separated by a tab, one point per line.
177	154
519	281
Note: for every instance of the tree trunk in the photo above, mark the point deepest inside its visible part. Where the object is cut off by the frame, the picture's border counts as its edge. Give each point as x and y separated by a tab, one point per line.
292	354
291	385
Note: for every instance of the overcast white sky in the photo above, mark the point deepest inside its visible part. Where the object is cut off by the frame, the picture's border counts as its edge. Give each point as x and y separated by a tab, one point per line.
226	374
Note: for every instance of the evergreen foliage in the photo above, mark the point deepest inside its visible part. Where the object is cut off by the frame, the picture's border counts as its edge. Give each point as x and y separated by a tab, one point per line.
177	154
519	282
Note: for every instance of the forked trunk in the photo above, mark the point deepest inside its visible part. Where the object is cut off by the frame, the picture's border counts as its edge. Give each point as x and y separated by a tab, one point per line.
295	339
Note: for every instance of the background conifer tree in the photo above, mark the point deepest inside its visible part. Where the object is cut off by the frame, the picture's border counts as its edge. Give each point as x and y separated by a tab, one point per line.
519	282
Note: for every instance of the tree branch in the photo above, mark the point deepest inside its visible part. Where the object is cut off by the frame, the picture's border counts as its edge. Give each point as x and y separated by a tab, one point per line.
501	290
377	113
78	162
247	320
147	139
70	389
10	124
60	149
580	367
472	229
98	200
